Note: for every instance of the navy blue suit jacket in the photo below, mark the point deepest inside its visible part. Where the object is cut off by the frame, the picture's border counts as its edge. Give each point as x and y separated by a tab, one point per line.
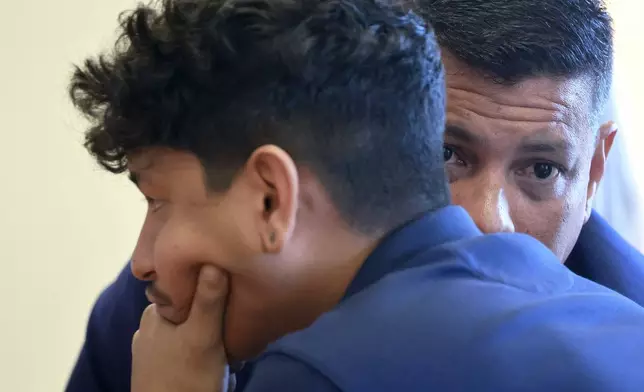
495	312
603	256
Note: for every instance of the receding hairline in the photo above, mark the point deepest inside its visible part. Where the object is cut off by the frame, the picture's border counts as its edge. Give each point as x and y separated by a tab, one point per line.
597	105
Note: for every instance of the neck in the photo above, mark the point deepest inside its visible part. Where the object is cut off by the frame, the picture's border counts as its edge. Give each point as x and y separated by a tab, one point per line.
342	255
334	263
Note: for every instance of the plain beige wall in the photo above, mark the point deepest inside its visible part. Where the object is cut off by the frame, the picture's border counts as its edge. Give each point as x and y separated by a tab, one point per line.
66	228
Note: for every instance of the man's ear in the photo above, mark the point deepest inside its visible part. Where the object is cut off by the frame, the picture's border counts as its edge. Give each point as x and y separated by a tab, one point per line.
607	133
275	175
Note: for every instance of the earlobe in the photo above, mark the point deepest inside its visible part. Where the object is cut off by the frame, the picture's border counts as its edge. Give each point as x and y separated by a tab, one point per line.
270	242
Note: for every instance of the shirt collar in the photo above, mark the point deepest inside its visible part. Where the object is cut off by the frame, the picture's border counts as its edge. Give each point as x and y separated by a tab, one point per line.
430	230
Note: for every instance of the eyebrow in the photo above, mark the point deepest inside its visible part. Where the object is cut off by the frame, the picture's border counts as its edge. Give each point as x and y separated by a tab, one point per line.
545	142
545	146
539	144
462	134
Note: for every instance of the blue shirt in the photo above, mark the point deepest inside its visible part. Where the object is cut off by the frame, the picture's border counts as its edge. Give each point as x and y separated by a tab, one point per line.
436	305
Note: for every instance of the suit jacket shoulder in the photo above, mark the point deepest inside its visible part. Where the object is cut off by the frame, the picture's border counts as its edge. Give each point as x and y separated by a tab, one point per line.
477	318
604	257
104	364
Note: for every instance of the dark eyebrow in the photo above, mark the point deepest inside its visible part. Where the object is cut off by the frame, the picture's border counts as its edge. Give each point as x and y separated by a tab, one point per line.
542	143
545	147
539	143
462	134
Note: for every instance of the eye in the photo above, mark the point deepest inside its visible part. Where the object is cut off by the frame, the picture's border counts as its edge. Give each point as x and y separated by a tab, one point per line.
447	153
153	204
543	171
450	156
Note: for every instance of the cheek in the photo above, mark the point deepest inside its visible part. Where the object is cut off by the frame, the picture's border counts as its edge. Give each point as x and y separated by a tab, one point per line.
459	197
478	195
189	239
572	220
556	223
541	220
180	250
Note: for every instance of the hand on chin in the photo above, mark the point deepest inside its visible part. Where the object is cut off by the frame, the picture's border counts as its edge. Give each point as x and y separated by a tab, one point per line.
186	357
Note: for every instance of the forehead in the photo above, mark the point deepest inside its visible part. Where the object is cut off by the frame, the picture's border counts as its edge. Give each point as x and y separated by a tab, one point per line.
536	105
161	159
166	169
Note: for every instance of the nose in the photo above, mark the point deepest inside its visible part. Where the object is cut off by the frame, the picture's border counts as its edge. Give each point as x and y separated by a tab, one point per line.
142	263
487	204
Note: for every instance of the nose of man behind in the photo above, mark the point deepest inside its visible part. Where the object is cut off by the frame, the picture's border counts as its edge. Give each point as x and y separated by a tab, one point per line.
488	206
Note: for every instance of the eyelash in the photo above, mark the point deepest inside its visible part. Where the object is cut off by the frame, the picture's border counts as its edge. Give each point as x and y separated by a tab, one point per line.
458	155
153	204
562	171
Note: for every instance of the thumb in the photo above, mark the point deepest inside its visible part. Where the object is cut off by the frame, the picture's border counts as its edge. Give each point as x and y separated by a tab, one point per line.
208	305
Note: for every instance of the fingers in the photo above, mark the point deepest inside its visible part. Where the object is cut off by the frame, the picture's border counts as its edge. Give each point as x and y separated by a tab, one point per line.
134	339
206	314
148	318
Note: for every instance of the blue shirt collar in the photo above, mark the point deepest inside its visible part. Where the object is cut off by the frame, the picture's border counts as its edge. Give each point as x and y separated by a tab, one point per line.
430	230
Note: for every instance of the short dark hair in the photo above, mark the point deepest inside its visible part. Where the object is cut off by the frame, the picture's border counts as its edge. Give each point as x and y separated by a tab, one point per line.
513	40
353	89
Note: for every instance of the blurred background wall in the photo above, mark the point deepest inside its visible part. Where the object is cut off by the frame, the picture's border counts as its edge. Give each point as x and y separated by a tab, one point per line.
67	228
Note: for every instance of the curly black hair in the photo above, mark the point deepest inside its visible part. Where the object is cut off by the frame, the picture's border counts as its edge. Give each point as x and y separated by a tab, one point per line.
353	89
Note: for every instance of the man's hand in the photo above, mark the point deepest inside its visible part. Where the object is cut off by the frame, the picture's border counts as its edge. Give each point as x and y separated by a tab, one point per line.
189	357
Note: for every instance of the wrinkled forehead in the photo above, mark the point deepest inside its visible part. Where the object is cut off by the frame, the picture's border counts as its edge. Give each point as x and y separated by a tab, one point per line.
539	104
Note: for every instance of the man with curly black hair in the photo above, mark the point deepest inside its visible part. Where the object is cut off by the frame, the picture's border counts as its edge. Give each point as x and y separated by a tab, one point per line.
291	153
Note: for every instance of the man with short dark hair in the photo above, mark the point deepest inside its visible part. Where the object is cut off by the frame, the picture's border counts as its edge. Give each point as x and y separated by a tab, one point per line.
297	146
527	84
